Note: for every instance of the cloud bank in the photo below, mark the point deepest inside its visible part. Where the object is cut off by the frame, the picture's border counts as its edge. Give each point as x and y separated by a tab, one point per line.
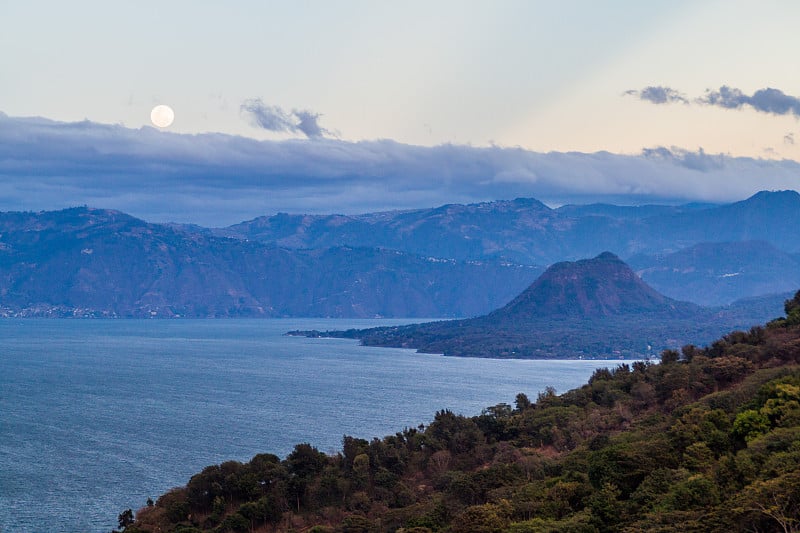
273	118
216	179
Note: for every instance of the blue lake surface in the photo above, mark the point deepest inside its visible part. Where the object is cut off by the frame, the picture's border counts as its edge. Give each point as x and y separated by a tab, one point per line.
98	415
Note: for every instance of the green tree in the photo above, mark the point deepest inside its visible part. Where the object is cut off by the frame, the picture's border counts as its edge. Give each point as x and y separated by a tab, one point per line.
358	524
303	463
521	402
125	518
773	501
669	356
606	508
235	523
253	512
487	518
361	472
750	424
695	492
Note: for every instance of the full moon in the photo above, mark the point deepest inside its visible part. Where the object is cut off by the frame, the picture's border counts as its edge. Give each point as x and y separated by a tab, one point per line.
162	116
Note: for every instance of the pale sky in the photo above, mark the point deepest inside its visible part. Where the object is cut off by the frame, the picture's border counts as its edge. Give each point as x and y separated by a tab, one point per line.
540	76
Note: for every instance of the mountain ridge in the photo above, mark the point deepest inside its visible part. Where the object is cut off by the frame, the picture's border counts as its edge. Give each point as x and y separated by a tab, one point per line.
527	231
94	262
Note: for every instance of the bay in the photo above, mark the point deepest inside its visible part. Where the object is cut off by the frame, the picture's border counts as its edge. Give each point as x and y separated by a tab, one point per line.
98	415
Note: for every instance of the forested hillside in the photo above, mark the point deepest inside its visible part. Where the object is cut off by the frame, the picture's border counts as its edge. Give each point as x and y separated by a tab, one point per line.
707	440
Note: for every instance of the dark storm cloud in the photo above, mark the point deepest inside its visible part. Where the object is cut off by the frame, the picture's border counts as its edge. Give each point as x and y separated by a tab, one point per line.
215	179
273	118
658	95
773	101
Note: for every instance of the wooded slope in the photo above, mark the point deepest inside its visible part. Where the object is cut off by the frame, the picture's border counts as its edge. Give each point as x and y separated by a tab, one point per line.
707	440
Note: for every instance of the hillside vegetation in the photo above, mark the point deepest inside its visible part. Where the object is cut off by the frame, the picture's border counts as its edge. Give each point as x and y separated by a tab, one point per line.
707	440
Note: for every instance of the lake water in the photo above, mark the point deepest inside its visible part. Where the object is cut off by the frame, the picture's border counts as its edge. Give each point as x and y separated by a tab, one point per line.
97	416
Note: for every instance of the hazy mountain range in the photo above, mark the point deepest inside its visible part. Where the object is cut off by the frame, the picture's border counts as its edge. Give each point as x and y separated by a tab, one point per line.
449	261
527	231
719	273
92	262
707	254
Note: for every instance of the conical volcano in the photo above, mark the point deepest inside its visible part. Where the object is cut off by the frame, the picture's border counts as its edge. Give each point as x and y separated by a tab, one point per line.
590	288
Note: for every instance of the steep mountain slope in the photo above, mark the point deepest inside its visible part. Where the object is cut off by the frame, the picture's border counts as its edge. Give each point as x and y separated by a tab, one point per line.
91	262
719	273
594	308
591	288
